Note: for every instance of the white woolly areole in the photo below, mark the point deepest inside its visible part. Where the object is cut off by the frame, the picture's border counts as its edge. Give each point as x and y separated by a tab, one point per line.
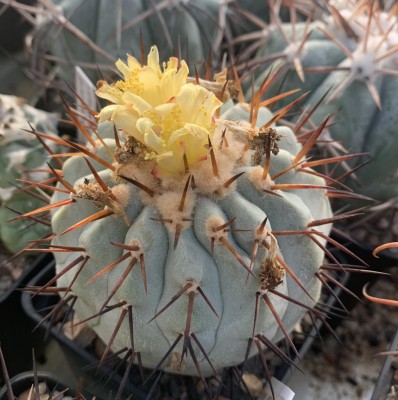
122	194
364	64
17	158
293	50
260	183
169	204
6	193
137	250
212	228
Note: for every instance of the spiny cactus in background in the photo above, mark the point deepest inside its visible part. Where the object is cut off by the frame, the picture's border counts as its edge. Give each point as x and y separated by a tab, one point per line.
189	220
351	58
22	156
93	33
251	17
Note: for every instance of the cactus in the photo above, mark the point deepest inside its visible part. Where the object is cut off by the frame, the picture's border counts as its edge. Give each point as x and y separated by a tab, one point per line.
351	61
21	157
257	13
69	32
189	220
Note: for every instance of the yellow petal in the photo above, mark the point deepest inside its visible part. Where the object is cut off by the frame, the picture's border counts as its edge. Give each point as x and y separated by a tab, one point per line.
191	140
133	63
150	82
168	117
109	92
123	68
107	112
168	164
198	105
172	81
150	138
153	60
126	119
172	63
139	104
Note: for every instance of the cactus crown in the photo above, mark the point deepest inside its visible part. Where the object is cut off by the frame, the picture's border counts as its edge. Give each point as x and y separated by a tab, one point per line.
171	120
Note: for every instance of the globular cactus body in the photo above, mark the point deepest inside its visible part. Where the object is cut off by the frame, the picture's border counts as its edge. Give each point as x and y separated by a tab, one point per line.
20	154
197	224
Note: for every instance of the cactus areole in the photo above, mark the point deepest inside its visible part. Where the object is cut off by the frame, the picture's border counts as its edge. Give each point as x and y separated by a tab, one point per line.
191	228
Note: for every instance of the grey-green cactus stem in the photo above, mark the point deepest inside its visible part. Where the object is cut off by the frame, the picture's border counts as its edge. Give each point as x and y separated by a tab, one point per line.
207	252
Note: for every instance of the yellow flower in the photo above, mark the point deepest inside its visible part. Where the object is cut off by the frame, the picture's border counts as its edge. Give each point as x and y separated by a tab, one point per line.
161	110
148	82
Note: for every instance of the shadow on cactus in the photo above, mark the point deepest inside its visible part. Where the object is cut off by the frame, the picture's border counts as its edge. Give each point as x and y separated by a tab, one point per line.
188	229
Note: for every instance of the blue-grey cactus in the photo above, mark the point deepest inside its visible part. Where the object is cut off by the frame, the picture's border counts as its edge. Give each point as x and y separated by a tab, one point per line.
354	64
194	215
93	33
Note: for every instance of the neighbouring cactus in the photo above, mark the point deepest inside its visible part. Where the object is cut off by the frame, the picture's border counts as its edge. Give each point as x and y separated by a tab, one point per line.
353	62
21	157
188	220
93	33
250	15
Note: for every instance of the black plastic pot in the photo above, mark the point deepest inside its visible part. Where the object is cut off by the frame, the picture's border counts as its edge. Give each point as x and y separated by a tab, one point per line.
24	381
16	335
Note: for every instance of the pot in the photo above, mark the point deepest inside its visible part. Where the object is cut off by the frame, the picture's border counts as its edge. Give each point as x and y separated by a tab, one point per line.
25	380
16	334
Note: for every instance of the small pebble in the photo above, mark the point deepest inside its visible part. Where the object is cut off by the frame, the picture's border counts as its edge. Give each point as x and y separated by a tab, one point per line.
82	334
16	273
29	394
254	384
